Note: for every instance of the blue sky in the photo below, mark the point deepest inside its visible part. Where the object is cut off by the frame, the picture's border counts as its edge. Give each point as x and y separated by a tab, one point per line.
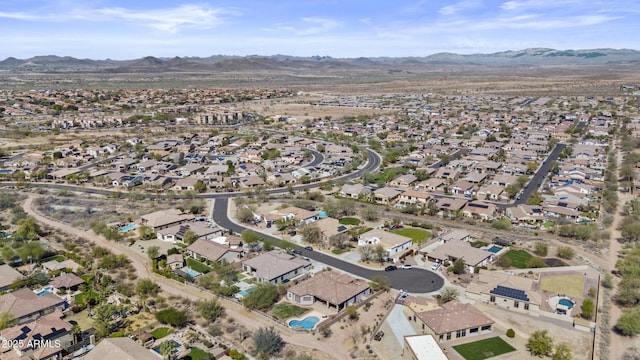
118	29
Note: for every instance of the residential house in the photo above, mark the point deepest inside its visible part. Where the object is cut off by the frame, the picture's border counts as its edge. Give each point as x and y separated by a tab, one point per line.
66	282
456	235
176	233
450	206
25	305
165	218
276	266
475	177
212	251
513	292
121	348
433	184
526	213
330	228
463	187
503	180
453	250
479	210
493	192
44	338
299	215
403	181
55	265
392	243
454	320
175	261
355	191
8	275
281	179
447	174
415	197
386	195
335	289
188	183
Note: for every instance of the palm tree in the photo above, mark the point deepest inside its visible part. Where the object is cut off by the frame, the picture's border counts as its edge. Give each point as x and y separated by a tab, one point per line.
76	330
166	349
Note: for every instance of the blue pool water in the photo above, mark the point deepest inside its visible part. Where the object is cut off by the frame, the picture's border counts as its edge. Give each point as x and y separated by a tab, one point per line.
322	215
46	290
494	249
4	234
566	302
128	227
307	323
6	171
245	292
176	345
191	272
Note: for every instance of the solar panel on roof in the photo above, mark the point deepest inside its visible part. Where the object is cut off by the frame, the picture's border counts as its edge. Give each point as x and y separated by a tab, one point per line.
510	293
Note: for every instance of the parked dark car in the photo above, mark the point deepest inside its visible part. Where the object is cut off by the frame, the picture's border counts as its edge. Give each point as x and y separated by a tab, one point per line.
292	233
391	268
379	336
308	248
297	252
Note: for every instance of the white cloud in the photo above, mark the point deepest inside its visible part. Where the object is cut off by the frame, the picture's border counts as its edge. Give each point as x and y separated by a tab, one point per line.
458	7
319	25
168	20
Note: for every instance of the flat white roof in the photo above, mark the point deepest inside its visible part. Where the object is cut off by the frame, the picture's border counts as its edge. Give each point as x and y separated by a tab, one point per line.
425	347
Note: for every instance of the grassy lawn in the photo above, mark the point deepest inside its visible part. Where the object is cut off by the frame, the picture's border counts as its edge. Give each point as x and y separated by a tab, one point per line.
418	235
339	251
82	318
484	349
84	297
283	311
198	266
519	258
240	276
159	333
349	221
572	285
197	354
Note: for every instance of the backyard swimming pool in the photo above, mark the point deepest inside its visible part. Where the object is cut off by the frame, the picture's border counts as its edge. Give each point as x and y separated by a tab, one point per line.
128	227
307	323
192	273
494	249
566	302
322	214
176	345
45	290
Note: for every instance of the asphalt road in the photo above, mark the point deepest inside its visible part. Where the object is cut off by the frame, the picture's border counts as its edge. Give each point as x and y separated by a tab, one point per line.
538	177
412	280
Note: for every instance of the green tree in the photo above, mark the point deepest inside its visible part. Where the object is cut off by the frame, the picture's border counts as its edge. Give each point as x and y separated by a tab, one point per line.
172	316
540	343
27	229
370	213
628	324
565	252
189	237
211	309
250	237
535	198
458	266
146	288
311	233
541	248
145	232
166	348
267	341
200	187
153	252
448	294
6	320
563	352
31	251
261	297
588	308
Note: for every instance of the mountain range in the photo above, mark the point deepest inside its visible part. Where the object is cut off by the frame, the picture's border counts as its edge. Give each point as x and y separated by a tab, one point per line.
223	63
